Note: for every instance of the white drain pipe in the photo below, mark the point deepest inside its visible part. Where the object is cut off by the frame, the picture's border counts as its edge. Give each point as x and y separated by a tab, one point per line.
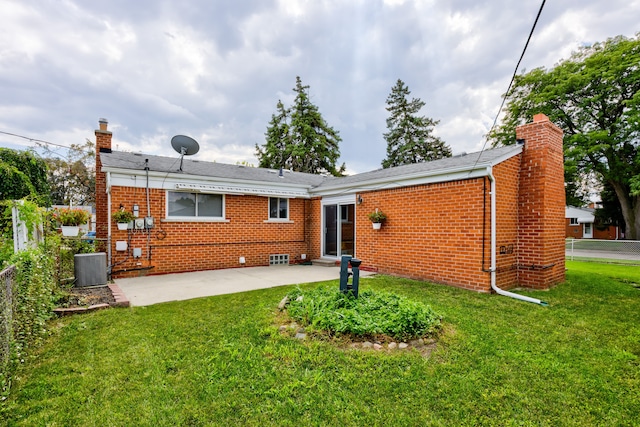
493	248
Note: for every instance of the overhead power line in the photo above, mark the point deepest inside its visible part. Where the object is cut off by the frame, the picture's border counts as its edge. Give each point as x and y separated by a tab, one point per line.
513	77
34	139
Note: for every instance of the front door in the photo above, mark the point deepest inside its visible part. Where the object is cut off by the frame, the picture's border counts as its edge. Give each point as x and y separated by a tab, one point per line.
339	229
587	230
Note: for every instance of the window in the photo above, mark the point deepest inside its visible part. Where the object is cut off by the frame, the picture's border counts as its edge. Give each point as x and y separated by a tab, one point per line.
194	205
573	221
278	208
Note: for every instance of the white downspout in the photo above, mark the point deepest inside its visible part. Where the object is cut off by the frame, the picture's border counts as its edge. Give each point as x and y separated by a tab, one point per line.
493	248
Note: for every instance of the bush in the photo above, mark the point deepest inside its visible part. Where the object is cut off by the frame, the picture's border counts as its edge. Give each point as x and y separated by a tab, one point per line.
370	314
35	296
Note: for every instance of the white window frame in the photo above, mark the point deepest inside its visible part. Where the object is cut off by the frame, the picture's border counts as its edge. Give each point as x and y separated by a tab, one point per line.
278	219
196	218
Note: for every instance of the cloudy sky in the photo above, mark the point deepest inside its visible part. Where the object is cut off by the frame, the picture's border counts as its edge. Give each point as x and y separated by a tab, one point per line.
215	69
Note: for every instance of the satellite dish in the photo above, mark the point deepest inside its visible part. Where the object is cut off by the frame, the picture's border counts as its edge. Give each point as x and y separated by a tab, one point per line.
185	145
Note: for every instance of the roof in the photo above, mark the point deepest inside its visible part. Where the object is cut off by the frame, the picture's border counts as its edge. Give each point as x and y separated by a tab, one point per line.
447	169
583	215
136	161
463	162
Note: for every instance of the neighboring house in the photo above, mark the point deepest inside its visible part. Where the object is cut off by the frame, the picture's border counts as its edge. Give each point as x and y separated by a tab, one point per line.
581	223
467	221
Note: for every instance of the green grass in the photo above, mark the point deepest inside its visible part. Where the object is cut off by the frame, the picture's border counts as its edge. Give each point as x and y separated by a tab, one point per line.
221	361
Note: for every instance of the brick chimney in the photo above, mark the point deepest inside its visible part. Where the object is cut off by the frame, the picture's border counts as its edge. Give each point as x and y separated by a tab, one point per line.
541	205
103	145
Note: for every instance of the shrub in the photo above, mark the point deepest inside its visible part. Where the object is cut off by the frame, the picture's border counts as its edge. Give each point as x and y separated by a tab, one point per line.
372	313
122	216
71	216
35	296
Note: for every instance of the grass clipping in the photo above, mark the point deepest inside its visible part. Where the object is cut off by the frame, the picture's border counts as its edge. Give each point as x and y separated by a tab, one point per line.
371	314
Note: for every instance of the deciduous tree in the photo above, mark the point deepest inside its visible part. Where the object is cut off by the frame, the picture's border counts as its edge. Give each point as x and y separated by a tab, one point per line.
594	96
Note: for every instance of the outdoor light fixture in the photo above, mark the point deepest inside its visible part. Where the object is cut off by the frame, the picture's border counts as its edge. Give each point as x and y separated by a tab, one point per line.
359	199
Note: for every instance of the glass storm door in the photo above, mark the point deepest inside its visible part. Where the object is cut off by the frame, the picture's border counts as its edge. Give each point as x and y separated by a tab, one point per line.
339	230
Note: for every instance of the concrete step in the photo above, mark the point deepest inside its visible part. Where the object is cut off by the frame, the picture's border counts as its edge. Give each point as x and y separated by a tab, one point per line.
324	262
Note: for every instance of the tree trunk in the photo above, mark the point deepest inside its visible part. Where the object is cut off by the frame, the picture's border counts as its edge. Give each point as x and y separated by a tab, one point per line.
630	211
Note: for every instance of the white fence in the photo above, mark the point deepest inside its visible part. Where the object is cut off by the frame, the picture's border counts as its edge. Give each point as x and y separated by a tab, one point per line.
625	250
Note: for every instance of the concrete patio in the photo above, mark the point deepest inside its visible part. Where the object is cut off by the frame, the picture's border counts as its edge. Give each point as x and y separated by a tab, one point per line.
150	290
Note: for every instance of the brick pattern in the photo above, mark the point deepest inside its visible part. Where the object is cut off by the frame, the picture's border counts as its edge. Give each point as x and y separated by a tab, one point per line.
541	205
180	246
441	232
438	232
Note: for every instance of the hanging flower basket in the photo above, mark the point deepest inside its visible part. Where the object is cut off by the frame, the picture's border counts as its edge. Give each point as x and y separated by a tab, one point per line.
70	230
377	218
122	218
122	225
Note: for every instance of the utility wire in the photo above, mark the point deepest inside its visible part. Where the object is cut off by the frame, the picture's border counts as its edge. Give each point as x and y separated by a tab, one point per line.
34	139
513	77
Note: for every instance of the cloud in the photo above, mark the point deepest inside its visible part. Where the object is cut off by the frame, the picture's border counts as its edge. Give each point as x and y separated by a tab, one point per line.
215	70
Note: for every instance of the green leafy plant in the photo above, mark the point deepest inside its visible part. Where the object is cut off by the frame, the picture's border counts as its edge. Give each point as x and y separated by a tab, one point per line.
372	313
377	216
70	216
122	216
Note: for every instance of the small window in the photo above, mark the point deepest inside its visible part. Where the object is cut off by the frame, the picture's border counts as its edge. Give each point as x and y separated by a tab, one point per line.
278	208
573	221
181	204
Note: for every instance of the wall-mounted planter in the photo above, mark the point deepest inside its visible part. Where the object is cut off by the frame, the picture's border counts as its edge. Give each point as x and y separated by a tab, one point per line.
70	230
122	225
376	225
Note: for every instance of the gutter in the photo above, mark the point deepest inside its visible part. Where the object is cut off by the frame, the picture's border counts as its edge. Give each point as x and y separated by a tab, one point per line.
493	249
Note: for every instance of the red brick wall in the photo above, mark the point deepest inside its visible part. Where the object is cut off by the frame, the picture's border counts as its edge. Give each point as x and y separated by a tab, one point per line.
178	246
608	233
574	231
541	205
441	232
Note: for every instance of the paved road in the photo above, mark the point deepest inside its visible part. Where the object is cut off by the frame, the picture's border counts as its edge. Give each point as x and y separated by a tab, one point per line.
603	254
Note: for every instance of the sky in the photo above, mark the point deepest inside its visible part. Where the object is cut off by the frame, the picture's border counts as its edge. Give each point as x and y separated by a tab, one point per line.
214	70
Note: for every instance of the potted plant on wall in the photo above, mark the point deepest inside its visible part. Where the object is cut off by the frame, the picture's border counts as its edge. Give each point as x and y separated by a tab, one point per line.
377	218
70	220
122	218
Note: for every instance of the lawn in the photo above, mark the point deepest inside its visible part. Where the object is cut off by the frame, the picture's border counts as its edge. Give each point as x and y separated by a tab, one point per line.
221	361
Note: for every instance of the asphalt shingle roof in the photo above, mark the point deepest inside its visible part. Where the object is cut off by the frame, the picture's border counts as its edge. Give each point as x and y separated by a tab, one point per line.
136	161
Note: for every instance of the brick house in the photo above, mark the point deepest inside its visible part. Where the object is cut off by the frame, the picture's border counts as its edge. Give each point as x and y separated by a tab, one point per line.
581	223
474	221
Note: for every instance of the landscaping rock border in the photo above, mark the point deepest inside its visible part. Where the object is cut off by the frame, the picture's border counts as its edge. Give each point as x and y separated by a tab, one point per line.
423	345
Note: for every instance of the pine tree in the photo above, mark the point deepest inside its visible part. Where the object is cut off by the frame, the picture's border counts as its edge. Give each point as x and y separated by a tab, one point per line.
274	153
298	138
410	137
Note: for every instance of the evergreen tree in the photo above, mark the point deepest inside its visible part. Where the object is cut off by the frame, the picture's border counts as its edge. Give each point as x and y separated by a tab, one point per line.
410	137
298	138
274	153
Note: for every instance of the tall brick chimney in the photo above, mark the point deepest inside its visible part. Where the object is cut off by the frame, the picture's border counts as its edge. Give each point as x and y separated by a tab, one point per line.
103	145
541	205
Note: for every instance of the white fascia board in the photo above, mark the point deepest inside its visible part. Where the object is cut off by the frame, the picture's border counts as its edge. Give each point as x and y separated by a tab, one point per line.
419	178
172	181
